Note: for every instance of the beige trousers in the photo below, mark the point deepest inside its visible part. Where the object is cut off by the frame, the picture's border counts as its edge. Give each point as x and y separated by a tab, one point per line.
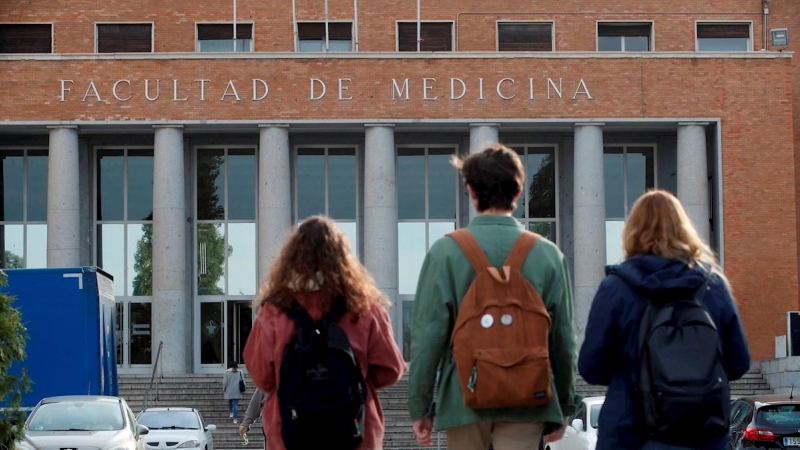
502	436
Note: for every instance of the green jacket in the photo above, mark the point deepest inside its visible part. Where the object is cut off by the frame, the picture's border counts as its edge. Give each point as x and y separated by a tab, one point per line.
445	277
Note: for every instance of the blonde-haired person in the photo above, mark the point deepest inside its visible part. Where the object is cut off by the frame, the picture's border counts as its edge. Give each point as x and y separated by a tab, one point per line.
666	258
317	270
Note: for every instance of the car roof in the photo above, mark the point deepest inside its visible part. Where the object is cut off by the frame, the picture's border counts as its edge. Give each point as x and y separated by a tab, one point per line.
771	399
169	408
594	400
82	398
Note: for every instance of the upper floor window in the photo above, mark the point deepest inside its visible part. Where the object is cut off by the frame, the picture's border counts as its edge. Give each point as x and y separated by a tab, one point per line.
26	38
433	36
525	36
624	37
124	38
311	37
723	37
218	37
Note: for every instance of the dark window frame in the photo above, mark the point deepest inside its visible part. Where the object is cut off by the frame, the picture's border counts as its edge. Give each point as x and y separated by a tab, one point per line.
224	31
518	42
722	30
315	31
625	29
438	34
38	40
133	45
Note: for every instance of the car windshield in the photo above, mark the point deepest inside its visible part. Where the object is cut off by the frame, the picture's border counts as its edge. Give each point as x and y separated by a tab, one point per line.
779	415
77	416
594	415
169	420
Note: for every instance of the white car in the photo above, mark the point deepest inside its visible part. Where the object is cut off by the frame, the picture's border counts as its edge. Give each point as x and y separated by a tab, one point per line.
176	428
581	433
82	421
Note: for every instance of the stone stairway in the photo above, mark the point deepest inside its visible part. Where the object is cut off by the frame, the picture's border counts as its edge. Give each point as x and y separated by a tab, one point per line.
204	392
200	391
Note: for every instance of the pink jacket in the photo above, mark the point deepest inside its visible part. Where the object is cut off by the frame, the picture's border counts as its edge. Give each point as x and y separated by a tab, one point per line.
372	341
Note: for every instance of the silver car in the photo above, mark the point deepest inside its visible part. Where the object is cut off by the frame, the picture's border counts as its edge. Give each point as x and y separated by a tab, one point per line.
82	421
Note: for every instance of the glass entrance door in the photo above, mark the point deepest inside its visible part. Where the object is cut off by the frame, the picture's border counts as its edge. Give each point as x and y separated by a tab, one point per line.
212	334
133	326
240	314
224	327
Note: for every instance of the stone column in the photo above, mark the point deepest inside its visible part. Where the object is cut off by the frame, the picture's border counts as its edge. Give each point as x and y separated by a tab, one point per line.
380	216
589	215
171	324
63	198
693	175
274	194
481	135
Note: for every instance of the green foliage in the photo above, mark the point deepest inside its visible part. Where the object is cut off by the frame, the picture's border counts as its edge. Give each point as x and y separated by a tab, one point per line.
13	261
542	191
210	258
143	263
12	350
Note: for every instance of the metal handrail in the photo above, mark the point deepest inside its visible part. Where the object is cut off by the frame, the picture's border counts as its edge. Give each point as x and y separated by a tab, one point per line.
146	399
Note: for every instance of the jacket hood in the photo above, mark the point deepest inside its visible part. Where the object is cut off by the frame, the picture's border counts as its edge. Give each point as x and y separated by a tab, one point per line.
649	273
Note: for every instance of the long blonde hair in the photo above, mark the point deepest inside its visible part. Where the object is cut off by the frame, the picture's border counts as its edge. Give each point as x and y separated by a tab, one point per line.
658	225
317	257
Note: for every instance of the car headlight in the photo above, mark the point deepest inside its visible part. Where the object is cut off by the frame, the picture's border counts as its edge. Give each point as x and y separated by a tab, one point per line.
190	444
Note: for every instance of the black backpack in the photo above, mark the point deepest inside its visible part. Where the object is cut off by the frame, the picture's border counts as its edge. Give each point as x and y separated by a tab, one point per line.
683	385
322	393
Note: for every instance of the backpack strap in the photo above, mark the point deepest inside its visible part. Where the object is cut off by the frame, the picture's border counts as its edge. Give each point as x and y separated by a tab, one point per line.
519	252
472	250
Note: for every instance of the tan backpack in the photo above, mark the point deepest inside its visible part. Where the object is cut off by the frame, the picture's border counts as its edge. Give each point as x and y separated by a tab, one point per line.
500	339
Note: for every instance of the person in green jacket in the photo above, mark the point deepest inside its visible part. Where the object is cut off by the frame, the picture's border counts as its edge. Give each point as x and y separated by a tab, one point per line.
494	179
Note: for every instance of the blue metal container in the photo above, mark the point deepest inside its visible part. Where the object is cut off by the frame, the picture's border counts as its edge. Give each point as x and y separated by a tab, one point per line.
69	314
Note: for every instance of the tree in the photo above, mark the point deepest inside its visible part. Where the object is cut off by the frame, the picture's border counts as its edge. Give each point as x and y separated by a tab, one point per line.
13	261
12	383
143	263
542	192
210	259
211	251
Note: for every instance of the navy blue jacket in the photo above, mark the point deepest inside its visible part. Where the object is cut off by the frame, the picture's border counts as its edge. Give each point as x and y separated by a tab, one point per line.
609	354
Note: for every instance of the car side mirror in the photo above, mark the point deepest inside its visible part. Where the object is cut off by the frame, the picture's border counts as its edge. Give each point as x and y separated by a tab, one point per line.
577	424
211	428
141	430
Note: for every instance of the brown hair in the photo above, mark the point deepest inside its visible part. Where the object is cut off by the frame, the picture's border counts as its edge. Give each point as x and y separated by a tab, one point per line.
495	174
317	257
658	225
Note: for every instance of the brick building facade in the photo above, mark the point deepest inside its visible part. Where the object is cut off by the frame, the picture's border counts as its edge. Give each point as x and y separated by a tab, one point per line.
127	145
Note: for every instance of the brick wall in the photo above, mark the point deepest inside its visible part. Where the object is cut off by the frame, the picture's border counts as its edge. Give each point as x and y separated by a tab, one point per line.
753	97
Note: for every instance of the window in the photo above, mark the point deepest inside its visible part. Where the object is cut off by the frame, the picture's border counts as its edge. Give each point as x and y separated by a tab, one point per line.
629	171
226	221
434	36
124	228
327	184
218	37
125	38
311	37
624	37
26	38
524	37
23	217
427	197
536	207
723	37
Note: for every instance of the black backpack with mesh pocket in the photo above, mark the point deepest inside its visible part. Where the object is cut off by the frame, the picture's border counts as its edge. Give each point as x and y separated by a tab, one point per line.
322	393
683	385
